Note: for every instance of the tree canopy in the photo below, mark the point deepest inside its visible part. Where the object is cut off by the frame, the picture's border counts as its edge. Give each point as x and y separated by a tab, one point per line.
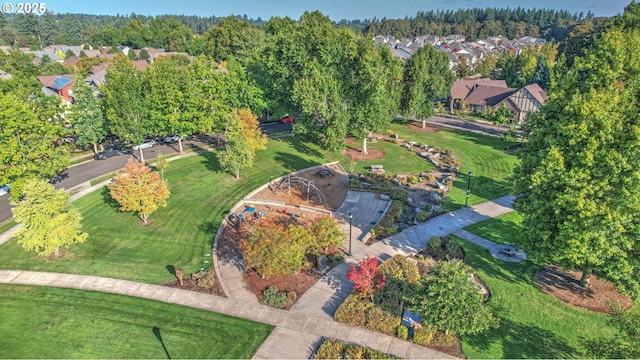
578	186
49	221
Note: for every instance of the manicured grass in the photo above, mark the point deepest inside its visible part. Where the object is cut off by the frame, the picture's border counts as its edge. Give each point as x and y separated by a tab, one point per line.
483	155
42	322
7	225
532	323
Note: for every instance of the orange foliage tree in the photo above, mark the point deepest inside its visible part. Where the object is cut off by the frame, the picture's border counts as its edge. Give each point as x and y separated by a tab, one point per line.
140	190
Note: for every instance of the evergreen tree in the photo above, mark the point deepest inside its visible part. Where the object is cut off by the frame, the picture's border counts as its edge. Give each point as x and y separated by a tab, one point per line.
541	75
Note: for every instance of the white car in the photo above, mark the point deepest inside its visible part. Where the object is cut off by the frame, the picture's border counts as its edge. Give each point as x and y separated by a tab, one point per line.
145	145
4	189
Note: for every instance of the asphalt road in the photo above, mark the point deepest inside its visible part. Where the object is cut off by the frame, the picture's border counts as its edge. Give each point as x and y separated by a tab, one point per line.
92	169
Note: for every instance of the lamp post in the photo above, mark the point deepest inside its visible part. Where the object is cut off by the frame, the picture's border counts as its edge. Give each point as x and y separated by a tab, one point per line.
350	217
466	201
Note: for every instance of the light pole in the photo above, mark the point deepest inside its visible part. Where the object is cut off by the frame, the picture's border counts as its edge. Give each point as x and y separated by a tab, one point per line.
350	217
466	201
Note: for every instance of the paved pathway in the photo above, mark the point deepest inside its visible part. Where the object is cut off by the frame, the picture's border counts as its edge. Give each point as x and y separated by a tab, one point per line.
296	334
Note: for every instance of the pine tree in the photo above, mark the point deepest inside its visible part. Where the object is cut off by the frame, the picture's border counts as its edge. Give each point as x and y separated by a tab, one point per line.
542	75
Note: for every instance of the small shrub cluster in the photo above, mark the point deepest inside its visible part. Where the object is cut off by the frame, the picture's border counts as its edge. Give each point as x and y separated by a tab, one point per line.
385	227
422	216
400	268
403	332
274	298
422	335
414	180
396	209
356	310
355	184
331	349
399	194
335	259
444	248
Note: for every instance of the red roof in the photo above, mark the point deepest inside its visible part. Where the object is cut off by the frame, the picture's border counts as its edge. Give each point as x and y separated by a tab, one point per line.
488	95
537	92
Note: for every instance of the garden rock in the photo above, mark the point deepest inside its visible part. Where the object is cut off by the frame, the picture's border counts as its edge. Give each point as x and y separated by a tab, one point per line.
384	197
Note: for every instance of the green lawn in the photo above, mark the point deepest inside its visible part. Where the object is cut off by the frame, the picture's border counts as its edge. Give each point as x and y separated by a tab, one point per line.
6	225
42	322
532	323
483	155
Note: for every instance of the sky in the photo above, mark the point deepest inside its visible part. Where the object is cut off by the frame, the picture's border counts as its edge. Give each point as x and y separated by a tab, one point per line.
335	9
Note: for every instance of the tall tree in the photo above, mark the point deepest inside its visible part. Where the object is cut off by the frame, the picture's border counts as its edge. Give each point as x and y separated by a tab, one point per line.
243	139
463	69
369	104
579	180
139	189
426	78
542	75
124	101
87	117
172	96
48	219
30	146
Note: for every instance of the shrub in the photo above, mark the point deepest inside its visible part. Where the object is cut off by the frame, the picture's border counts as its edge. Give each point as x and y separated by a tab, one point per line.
400	268
449	185
352	309
414	180
354	352
422	335
274	298
444	339
422	216
399	194
453	249
382	321
396	209
403	332
355	184
435	248
330	349
431	177
336	258
435	242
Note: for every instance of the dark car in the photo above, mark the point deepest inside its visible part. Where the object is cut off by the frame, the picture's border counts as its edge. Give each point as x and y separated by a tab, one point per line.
106	153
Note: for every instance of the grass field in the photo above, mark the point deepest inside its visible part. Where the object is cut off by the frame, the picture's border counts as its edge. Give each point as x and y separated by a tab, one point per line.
42	322
532	323
484	156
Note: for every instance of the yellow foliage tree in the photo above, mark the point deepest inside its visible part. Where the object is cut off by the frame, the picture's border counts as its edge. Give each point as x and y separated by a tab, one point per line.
139	189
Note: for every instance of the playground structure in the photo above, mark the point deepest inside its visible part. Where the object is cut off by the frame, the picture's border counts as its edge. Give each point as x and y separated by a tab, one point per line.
303	184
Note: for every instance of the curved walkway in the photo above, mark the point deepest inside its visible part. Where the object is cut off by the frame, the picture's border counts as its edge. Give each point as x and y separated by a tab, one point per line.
298	333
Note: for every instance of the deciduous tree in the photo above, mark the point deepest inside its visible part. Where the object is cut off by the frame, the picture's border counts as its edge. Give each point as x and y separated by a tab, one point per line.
48	219
244	138
30	141
365	276
426	78
579	179
139	189
448	298
87	117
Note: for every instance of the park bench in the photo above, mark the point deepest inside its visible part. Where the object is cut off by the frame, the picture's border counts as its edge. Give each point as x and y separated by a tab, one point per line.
376	169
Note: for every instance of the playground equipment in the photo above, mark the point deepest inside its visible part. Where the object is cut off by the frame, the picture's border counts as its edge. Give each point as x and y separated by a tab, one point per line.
307	184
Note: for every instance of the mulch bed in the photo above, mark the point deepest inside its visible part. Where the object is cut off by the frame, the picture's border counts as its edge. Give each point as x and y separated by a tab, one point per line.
417	126
565	285
189	283
356	153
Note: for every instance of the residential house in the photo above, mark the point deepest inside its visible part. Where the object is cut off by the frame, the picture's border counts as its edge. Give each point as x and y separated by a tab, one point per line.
462	89
528	99
60	85
71	61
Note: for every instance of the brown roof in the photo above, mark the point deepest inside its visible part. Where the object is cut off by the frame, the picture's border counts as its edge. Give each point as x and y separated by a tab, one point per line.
462	88
107	56
537	92
140	64
488	95
97	68
71	60
47	80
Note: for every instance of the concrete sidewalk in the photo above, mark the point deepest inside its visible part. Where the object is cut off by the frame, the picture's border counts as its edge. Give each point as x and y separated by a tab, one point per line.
295	335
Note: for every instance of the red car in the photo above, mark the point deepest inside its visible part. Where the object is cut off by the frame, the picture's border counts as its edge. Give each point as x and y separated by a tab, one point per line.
287	119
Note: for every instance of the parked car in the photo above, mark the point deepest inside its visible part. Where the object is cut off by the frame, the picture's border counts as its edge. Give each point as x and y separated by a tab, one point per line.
145	145
287	119
106	153
173	139
4	189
